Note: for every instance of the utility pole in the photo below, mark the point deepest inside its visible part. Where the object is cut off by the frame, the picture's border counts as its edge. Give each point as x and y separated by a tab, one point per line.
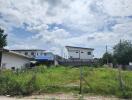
120	50
106	49
107	60
120	45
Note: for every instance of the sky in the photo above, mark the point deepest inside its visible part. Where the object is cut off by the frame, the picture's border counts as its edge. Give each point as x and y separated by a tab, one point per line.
54	24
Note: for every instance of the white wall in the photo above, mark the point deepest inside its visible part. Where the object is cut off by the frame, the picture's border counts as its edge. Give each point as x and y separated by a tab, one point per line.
11	60
74	54
29	53
65	53
82	53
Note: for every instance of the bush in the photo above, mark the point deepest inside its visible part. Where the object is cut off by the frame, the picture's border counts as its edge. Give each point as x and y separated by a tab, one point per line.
104	81
12	83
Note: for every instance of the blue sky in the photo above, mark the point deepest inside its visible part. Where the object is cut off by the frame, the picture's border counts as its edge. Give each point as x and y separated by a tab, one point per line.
53	24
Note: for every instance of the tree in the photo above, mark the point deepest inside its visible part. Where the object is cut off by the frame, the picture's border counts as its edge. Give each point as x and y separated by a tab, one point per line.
123	52
3	42
107	58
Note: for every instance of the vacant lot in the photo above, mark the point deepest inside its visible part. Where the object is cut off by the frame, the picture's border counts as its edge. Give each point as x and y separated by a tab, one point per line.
98	81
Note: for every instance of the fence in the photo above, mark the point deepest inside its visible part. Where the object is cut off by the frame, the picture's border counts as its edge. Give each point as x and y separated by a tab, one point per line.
72	62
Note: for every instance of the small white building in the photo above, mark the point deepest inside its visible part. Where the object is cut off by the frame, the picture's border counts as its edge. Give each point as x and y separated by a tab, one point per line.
31	52
13	60
79	53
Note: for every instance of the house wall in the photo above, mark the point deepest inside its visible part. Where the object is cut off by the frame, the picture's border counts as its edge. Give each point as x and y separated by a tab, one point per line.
84	54
46	56
29	53
74	54
64	53
10	60
36	53
79	53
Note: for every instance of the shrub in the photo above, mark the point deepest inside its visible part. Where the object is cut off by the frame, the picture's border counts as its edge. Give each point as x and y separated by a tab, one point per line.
65	79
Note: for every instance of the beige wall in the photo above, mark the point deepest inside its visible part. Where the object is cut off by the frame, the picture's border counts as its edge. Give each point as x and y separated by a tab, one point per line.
10	60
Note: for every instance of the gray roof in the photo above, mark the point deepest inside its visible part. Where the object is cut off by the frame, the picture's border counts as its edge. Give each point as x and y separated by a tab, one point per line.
28	50
14	53
79	47
2	49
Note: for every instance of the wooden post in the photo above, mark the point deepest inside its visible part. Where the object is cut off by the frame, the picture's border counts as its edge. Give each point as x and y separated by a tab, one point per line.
0	58
81	77
121	81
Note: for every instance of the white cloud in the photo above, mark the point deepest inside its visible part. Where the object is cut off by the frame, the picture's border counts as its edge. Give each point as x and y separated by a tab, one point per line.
124	28
118	7
91	23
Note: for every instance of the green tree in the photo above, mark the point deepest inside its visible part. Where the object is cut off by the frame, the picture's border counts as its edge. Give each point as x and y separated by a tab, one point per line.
3	42
107	58
123	52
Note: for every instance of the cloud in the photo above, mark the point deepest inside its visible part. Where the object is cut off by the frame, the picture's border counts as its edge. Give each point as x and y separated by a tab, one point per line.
123	28
52	24
118	7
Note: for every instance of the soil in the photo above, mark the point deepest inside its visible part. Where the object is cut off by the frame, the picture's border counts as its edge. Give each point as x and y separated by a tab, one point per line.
60	96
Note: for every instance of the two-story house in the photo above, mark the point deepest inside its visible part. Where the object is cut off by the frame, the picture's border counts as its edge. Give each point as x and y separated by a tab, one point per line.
31	52
79	53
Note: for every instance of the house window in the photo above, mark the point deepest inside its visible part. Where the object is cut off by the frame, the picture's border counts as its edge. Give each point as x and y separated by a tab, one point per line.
41	53
76	52
3	65
13	68
89	53
44	54
32	53
70	56
26	53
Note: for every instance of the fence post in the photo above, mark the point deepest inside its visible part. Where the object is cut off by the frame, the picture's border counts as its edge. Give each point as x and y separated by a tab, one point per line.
81	77
121	81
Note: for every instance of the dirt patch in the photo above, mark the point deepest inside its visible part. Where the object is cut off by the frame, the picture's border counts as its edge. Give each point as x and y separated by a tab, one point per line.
59	96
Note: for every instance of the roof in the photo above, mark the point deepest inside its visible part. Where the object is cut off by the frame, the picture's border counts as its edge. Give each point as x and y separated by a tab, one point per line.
79	47
45	58
28	50
48	52
14	53
18	54
2	49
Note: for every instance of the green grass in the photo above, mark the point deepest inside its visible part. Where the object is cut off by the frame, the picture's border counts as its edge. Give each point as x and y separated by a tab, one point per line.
100	81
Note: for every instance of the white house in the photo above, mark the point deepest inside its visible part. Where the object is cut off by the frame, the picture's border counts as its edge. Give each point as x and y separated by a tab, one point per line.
79	53
31	52
13	60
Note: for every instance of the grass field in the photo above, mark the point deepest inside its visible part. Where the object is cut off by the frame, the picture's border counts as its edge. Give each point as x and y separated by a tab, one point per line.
98	81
